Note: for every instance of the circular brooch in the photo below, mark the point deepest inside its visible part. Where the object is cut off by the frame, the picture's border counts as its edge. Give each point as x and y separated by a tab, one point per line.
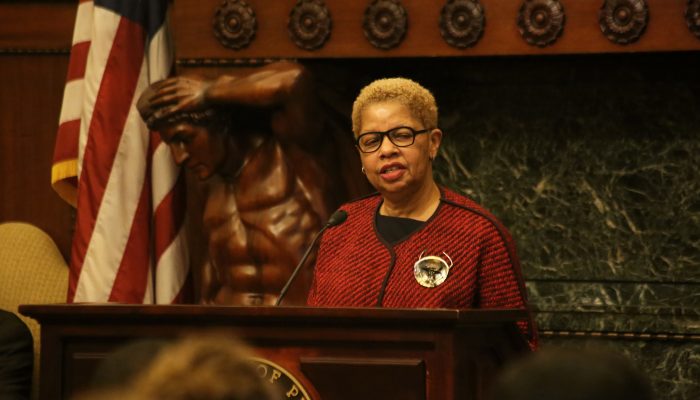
431	271
541	22
623	21
235	24
309	24
462	23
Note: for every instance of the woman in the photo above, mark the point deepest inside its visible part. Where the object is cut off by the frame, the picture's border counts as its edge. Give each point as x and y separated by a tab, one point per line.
412	244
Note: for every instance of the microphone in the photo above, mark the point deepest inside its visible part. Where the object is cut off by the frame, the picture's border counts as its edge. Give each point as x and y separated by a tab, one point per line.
337	218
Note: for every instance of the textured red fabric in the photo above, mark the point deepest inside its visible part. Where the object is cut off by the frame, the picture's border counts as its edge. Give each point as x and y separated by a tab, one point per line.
353	262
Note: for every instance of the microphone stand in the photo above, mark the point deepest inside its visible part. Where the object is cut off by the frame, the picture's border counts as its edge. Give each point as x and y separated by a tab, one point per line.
337	218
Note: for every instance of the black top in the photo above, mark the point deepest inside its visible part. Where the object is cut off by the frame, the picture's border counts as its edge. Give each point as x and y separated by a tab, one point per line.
394	229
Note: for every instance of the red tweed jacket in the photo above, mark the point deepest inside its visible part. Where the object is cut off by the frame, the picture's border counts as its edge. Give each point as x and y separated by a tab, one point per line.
356	268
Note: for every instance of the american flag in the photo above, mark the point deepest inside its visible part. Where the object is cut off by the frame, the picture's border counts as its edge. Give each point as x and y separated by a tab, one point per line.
129	244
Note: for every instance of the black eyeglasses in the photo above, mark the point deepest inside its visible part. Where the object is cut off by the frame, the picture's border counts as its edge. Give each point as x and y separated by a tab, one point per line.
401	136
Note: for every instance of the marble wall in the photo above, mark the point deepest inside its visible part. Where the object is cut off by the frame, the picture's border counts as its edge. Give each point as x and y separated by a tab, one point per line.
593	162
594	165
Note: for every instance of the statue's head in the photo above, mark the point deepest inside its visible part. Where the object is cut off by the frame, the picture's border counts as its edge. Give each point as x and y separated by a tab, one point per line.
196	140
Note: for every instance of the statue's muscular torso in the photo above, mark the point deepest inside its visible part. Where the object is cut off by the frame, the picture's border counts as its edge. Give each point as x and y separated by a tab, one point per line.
297	167
258	226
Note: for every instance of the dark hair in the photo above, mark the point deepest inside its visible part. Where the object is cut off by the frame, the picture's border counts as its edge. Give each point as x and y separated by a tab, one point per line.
572	374
123	364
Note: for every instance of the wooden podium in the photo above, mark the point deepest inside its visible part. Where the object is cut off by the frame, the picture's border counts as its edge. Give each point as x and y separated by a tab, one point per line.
334	353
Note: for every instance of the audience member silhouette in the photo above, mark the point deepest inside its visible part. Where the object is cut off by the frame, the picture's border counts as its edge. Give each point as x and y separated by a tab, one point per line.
208	367
126	362
117	371
213	366
16	357
572	374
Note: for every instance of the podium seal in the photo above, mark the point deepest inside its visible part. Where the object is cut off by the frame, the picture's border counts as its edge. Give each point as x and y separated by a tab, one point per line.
282	380
431	271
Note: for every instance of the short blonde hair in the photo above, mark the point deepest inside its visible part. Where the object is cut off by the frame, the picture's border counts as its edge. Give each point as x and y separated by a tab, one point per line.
211	366
419	101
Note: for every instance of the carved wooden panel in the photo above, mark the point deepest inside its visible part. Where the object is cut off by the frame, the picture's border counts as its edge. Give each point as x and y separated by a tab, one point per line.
623	21
462	22
385	23
541	22
424	28
235	24
309	24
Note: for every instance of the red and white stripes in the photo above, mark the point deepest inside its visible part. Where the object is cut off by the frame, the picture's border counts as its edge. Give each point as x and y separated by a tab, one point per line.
129	244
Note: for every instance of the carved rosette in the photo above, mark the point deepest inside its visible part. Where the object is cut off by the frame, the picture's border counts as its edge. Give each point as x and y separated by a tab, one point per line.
462	23
541	22
623	21
235	24
309	24
692	16
385	23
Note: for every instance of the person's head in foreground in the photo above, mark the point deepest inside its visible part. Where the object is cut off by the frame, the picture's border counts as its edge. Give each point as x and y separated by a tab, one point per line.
572	374
207	367
395	125
126	362
203	367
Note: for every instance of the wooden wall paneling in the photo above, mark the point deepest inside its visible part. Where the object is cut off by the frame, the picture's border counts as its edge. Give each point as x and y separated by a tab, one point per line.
37	25
30	103
35	39
193	20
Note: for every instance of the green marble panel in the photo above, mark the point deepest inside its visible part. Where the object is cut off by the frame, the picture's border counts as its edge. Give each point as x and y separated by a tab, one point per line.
613	322
647	298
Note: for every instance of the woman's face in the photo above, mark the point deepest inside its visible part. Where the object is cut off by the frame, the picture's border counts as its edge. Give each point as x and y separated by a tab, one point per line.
396	170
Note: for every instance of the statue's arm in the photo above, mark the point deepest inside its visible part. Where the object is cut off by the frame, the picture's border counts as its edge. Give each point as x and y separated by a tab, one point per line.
286	88
268	86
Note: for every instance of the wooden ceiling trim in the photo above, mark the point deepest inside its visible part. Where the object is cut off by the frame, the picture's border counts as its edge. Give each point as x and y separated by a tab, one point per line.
492	27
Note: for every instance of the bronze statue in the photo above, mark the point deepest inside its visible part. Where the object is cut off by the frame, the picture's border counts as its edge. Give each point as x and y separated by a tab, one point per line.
273	166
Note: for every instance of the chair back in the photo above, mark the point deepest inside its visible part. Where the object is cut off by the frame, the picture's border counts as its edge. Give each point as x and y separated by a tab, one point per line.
32	271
